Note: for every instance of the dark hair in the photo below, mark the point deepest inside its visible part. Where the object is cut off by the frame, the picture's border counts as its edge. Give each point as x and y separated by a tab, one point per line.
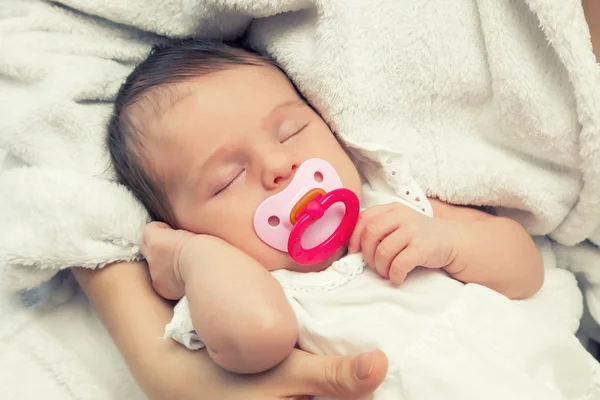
170	63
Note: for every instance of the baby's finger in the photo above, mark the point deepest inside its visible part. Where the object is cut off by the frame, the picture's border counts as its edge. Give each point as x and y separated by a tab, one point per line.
153	226
405	261
363	220
160	225
153	229
388	250
374	233
147	238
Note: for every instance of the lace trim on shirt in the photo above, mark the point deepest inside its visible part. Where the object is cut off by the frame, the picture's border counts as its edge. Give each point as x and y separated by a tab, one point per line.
337	275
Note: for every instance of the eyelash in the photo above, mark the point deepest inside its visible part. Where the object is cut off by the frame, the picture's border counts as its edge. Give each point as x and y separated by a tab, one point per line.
295	133
229	183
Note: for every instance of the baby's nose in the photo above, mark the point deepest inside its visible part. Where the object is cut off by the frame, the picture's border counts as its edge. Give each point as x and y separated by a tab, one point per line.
280	175
285	176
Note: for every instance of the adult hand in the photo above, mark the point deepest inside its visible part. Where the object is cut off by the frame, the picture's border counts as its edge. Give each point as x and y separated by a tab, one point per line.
299	377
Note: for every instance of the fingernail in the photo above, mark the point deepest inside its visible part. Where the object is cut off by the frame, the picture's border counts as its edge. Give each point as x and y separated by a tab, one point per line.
364	366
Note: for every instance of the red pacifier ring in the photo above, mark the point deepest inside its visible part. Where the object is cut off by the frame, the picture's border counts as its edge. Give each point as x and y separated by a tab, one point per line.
313	212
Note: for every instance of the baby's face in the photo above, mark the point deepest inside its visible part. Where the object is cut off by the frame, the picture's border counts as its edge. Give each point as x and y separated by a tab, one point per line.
230	140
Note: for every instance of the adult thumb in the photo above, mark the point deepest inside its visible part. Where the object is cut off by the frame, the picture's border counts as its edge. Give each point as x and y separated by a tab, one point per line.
339	377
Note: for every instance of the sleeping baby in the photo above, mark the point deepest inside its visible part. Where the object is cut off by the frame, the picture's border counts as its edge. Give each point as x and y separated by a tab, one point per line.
273	233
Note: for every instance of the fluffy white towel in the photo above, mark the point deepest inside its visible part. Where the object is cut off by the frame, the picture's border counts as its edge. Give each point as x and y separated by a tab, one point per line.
497	103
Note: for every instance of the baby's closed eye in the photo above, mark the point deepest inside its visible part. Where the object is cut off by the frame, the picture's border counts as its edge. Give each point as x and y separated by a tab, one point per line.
290	128
228	181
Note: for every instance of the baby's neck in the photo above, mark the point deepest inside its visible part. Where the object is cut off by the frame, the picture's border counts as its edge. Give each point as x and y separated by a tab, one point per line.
323	265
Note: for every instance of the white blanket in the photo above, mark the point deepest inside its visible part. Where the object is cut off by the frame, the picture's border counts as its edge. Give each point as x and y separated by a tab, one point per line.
497	103
493	109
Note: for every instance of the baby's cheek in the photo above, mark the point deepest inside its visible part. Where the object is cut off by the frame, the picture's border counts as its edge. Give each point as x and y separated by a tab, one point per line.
274	259
267	256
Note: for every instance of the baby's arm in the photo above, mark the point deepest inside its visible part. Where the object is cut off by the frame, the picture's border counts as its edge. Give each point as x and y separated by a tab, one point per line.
492	251
472	246
238	309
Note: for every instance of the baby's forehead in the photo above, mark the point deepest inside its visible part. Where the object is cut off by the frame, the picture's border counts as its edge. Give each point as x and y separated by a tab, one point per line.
157	101
237	99
149	117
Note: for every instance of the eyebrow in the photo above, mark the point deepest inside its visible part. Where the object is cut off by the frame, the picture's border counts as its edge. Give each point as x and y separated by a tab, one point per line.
285	104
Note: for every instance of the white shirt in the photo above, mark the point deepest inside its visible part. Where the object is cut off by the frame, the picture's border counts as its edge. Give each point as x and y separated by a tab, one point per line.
443	339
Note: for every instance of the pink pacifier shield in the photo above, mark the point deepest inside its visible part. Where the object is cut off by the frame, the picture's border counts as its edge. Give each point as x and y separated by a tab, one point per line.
272	218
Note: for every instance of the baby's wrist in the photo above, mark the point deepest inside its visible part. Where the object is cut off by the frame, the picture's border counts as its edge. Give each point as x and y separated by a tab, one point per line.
457	234
195	253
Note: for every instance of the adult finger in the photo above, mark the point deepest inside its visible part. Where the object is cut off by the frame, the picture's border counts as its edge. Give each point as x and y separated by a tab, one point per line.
340	377
363	219
405	261
388	250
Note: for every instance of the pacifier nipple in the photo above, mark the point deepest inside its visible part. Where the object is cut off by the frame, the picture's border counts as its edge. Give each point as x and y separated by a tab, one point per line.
303	202
312	217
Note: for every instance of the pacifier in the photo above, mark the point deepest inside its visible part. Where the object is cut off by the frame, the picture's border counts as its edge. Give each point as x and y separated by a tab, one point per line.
312	218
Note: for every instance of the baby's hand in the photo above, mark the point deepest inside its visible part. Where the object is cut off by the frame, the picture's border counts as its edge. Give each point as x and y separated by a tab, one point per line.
162	247
395	239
